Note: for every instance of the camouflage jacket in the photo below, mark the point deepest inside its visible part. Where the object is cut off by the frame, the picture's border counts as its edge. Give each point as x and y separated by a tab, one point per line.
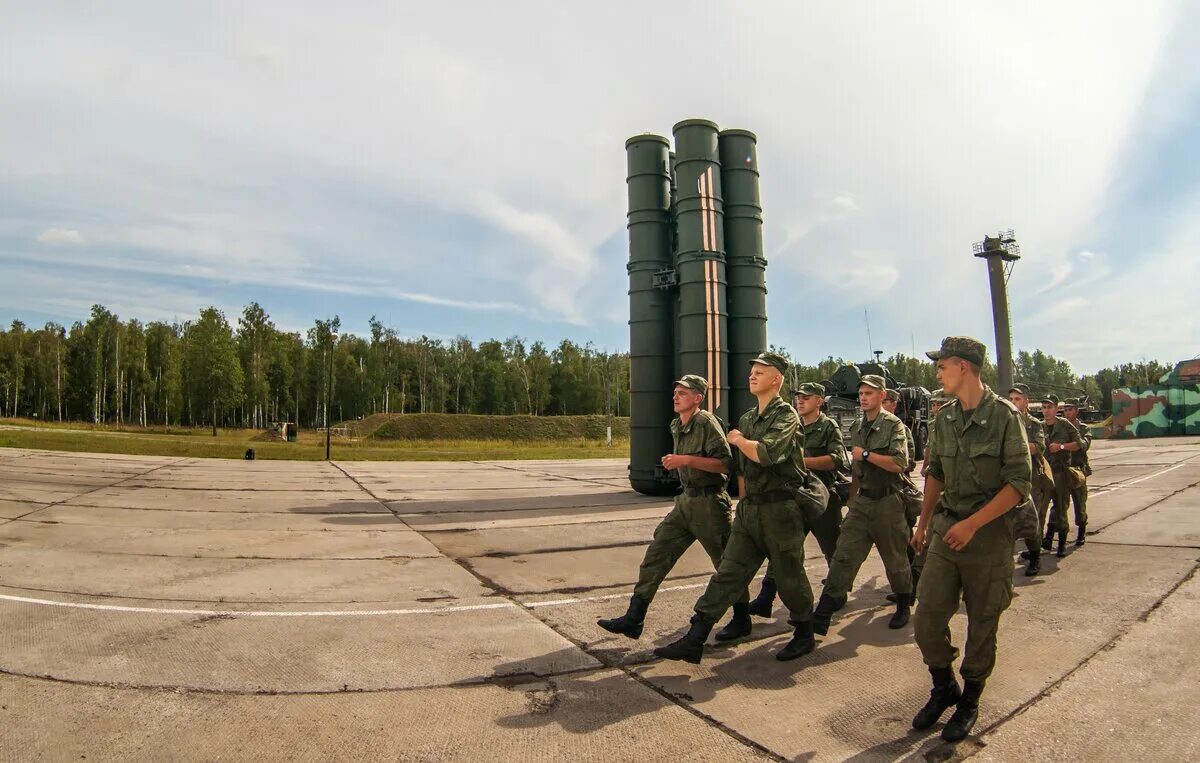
1062	432
993	441
703	436
1080	457
780	449
823	437
885	435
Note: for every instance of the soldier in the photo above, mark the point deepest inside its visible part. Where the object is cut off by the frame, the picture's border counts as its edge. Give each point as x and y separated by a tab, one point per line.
824	455
910	492
1035	433
979	469
876	514
936	400
702	511
1079	460
769	462
1062	440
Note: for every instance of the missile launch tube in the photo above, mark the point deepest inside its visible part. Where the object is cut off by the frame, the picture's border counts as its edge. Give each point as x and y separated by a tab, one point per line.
702	341
651	347
745	264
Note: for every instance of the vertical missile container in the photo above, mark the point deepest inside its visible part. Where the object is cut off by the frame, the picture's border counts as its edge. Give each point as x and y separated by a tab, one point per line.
702	341
651	320
745	264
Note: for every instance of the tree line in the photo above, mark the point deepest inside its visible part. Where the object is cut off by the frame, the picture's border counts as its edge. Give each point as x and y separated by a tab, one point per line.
211	372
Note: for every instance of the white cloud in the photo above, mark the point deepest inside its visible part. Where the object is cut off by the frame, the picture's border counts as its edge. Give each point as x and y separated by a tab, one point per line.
1086	255
61	237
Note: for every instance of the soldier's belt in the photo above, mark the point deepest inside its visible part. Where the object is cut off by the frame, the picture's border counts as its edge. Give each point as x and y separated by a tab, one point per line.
771	496
696	492
874	494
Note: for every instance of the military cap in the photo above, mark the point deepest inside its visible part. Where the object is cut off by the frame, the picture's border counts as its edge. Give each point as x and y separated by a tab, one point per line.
693	382
1020	387
940	395
1072	402
772	359
1051	398
873	380
810	389
963	347
892	394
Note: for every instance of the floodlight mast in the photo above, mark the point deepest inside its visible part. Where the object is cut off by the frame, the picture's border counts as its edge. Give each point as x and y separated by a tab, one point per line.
998	250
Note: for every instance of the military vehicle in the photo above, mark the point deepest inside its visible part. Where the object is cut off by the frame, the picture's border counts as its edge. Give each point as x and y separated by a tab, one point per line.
841	403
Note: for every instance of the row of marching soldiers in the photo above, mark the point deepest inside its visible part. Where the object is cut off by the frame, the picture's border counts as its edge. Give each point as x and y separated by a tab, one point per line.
987	483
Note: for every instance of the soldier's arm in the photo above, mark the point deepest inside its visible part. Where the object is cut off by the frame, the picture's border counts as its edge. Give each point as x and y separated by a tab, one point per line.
1085	435
1038	446
826	463
896	460
1076	442
929	500
716	457
777	445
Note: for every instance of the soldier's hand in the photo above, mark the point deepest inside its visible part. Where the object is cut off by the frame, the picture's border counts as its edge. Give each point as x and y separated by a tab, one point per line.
856	453
959	535
673	461
918	539
734	437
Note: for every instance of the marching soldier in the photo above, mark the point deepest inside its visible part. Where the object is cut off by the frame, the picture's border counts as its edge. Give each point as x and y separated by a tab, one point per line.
701	458
1035	433
1062	441
910	492
979	469
769	462
876	512
936	400
1079	460
825	456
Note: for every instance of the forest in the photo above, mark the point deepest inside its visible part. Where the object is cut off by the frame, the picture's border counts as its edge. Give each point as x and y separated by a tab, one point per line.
212	372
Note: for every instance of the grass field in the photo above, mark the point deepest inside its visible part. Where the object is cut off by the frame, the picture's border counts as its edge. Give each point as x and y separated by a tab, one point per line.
232	443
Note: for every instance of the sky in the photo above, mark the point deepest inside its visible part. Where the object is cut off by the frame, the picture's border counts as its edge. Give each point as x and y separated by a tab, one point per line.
458	168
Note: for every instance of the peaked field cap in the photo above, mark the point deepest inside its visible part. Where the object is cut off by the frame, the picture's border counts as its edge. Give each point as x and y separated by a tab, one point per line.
773	359
965	347
892	394
694	382
1051	398
940	395
1071	402
873	380
1020	387
810	389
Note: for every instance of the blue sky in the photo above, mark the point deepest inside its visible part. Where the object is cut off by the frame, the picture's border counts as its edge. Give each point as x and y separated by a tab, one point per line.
460	169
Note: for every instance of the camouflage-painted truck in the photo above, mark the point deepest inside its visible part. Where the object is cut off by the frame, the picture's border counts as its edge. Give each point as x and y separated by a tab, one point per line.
1170	407
841	405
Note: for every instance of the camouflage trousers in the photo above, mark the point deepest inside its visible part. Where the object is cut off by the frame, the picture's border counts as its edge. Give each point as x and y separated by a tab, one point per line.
769	530
1064	496
981	574
1041	496
826	531
881	523
704	518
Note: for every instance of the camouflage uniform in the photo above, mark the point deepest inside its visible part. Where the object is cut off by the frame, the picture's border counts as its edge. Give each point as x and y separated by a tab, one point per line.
876	514
1063	432
702	511
1035	433
768	523
981	572
1079	459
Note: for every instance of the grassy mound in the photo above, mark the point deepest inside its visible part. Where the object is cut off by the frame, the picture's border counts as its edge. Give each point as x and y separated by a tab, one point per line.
461	426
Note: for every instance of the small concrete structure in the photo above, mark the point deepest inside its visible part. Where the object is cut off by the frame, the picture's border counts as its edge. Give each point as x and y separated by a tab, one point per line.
196	609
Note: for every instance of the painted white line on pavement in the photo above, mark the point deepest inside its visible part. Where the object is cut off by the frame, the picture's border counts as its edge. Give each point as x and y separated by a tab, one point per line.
1122	485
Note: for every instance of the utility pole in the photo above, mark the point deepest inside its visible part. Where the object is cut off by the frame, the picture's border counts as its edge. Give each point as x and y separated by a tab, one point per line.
999	250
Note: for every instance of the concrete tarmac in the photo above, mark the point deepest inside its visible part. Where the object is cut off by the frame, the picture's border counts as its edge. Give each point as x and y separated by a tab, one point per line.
194	609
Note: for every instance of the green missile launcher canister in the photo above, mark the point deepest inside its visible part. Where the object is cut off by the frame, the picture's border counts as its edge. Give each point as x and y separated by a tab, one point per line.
745	266
651	318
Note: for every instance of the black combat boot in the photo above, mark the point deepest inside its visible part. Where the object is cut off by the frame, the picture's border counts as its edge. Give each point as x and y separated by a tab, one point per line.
945	694
739	626
823	614
963	720
900	618
761	606
801	644
1062	545
690	648
1081	538
1048	541
629	624
1035	564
